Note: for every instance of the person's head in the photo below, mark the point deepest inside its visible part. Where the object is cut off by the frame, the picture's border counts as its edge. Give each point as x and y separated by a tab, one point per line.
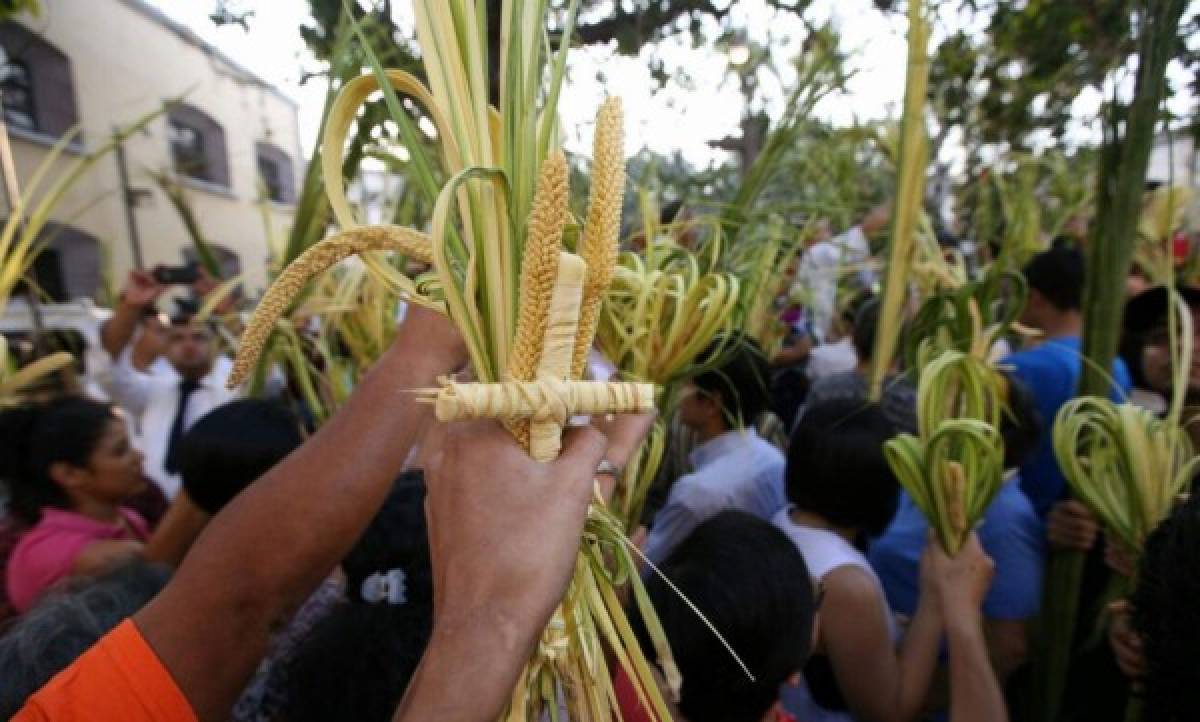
65	623
1146	341
866	320
232	446
822	231
64	453
153	340
1164	615
877	219
836	468
1055	280
749	580
357	661
191	347
848	310
1021	425
731	395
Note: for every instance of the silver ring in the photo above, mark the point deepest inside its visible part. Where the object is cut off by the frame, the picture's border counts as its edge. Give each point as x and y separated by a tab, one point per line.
607	467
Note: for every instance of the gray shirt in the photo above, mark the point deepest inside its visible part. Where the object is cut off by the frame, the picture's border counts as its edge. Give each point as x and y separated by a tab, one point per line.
736	470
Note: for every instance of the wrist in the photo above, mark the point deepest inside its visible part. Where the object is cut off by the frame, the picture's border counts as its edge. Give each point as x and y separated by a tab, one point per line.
964	621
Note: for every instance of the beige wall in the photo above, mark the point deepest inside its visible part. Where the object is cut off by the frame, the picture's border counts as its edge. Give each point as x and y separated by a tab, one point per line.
124	63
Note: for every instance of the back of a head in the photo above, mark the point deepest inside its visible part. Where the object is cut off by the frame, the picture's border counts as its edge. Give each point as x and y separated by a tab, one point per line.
1166	617
357	661
66	623
866	321
1057	275
751	583
742	377
33	437
232	446
836	466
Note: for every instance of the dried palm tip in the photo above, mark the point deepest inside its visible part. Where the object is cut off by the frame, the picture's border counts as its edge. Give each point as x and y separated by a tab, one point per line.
539	267
598	248
311	263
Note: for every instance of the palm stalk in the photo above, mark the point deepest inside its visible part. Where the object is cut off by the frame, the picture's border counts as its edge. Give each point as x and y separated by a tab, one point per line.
909	198
1119	195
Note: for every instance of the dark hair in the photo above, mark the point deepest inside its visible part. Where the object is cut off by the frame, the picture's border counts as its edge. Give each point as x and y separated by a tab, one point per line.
854	304
1164	605
741	377
1057	274
232	446
358	660
1021	425
836	467
749	580
866	321
66	623
34	437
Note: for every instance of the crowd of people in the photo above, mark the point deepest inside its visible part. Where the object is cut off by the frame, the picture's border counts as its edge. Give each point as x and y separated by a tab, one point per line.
175	552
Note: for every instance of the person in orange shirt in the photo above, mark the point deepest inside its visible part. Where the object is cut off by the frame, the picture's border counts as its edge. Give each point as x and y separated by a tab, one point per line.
188	654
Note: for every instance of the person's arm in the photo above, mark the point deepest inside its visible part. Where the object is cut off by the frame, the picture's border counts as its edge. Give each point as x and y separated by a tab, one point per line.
178	530
277	540
140	291
879	684
673	523
504	535
961	583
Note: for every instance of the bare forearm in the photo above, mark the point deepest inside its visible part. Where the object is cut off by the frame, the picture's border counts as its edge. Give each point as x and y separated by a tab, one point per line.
975	694
117	332
918	659
486	650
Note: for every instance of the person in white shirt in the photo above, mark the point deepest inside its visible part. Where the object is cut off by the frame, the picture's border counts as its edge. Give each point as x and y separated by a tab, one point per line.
163	406
828	260
734	468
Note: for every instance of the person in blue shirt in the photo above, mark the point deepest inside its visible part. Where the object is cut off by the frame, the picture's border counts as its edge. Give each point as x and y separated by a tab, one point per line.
1010	533
1051	370
733	467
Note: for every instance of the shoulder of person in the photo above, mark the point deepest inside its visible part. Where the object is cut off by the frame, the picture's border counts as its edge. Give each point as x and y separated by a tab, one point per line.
851	586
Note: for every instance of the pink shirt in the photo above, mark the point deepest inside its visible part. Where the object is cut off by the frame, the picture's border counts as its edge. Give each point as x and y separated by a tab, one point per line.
47	552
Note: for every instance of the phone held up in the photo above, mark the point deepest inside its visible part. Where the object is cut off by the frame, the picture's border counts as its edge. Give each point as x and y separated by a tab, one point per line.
184	275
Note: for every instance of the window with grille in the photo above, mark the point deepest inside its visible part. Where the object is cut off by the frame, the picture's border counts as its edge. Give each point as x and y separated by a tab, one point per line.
16	84
187	150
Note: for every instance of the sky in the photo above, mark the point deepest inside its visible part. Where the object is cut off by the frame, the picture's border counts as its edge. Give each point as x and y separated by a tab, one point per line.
682	116
702	104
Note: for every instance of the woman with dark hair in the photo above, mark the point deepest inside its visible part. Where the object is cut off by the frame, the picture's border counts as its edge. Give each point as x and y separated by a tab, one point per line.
842	492
70	468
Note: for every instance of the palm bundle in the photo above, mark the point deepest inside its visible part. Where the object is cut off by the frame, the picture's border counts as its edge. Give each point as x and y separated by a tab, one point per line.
1127	464
954	467
665	307
761	265
524	306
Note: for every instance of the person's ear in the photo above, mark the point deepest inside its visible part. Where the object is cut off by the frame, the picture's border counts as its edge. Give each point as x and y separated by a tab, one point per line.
68	476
